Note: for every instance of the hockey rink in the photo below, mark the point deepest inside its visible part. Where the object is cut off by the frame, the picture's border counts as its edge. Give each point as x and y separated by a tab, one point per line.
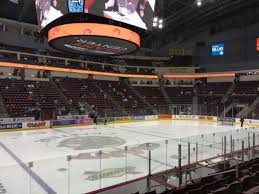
123	157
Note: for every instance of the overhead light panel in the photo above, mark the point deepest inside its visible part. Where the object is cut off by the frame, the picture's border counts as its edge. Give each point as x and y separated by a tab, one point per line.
158	22
199	3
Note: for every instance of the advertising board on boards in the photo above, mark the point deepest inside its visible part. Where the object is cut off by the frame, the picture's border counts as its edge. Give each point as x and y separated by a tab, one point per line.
36	124
11	126
16	120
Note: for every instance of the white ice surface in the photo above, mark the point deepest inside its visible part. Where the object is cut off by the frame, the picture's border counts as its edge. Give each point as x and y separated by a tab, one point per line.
50	159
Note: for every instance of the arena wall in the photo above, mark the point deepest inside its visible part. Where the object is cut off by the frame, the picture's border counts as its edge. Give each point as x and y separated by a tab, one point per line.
71	75
28	123
155	82
240	49
218	80
249	78
98	77
6	71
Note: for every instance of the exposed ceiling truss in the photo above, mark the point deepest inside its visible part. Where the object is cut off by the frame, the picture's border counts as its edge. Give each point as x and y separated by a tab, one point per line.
183	16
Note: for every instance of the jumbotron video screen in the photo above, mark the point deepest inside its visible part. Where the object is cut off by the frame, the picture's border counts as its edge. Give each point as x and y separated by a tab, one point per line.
50	10
137	13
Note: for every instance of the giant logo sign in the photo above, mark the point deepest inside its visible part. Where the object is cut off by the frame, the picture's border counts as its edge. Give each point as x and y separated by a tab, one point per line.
93	38
36	124
218	49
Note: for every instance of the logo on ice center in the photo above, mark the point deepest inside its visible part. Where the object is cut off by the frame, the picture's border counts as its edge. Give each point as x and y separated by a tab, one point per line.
217	50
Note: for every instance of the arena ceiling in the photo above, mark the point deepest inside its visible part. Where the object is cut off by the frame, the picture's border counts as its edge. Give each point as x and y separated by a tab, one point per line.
181	17
175	12
186	12
19	10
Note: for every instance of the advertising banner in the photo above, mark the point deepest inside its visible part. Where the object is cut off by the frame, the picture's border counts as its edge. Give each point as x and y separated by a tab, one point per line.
36	124
70	117
217	50
164	116
151	117
249	121
122	119
137	118
11	126
176	51
64	122
209	118
84	121
108	119
16	120
226	119
175	70
190	117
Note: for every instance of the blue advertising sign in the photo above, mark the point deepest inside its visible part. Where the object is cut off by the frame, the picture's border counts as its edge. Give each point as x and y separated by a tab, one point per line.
64	122
226	119
217	49
11	126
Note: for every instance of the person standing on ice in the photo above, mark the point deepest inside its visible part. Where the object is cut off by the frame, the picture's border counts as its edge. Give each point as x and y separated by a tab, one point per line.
242	121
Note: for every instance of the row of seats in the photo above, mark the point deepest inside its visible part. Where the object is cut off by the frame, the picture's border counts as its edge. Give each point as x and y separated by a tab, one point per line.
28	98
211	94
227	183
103	96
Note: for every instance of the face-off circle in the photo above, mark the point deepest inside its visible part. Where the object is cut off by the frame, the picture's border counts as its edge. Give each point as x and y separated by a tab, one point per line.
92	38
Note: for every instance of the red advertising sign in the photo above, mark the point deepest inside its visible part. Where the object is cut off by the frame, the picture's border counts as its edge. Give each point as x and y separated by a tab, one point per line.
36	124
257	44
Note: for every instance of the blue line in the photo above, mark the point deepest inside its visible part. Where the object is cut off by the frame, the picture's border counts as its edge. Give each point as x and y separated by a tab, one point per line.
44	185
